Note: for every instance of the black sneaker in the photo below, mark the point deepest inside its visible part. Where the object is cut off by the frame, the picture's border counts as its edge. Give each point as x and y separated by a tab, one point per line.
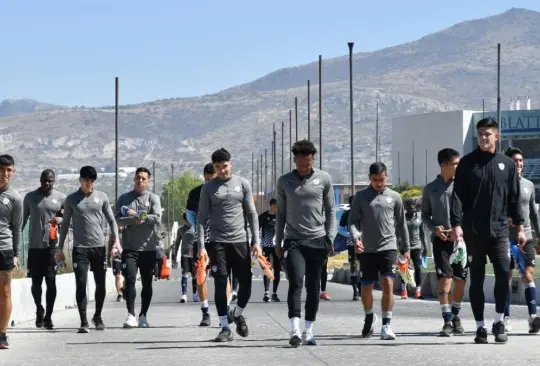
4	341
369	324
40	313
205	322
275	298
446	330
241	326
225	335
481	336
234	297
98	323
295	340
266	297
456	325
498	331
534	325
84	328
48	324
356	296
119	298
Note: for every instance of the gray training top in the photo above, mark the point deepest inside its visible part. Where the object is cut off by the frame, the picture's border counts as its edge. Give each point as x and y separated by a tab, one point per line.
141	237
11	219
227	203
379	217
527	201
87	214
436	198
306	207
417	239
40	209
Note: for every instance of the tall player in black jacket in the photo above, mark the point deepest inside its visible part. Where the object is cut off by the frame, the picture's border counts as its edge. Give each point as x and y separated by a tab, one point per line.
485	196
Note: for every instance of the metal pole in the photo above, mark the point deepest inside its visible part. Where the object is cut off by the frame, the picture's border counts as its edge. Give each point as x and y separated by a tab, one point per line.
413	163
483	107
290	139
274	163
116	97
265	174
426	167
296	117
258	198
499	94
377	133
398	168
261	177
320	113
351	44
154	176
308	111
169	209
282	133
173	189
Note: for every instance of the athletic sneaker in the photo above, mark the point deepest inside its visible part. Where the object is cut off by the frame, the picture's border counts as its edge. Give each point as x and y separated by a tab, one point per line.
205	322
356	296
275	298
386	333
266	297
457	328
183	299
481	336
367	331
196	297
324	296
296	339
143	322
447	330
499	332
84	328
507	324
131	322
241	325
40	313
4	341
119	298
225	335
534	325
418	295
98	323
404	295
308	339
48	324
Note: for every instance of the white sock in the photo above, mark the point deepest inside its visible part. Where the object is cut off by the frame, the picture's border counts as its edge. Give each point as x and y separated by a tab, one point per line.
224	321
238	311
204	304
481	324
309	326
499	317
295	324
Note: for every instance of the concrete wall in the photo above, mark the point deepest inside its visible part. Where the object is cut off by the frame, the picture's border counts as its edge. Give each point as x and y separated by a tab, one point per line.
430	133
24	308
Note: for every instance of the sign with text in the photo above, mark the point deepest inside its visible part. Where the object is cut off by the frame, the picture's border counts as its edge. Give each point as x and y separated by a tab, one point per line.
521	122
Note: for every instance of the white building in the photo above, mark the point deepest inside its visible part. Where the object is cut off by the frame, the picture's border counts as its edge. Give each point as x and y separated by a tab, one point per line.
417	139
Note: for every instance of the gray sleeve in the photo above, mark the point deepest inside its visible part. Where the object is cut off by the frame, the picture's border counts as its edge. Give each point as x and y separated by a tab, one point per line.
281	215
422	235
66	220
16	224
124	221
251	213
109	216
330	209
355	217
202	214
533	214
154	216
427	211
401	224
26	211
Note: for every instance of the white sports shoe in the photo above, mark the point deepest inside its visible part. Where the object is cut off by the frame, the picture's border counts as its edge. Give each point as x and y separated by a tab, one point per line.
308	339
131	322
387	334
507	324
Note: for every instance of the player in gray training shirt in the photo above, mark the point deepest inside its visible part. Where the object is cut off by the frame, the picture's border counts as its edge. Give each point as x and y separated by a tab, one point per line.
227	201
139	212
86	208
11	213
527	203
376	216
307	216
43	209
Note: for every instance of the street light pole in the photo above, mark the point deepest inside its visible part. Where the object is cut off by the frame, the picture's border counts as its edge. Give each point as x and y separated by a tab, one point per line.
499	94
377	147
351	45
116	100
308	111
296	116
320	114
290	139
282	133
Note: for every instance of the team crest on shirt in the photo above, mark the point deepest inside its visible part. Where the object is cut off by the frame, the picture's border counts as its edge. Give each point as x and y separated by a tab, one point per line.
316	182
5	201
389	199
96	200
54	201
237	189
526	190
501	166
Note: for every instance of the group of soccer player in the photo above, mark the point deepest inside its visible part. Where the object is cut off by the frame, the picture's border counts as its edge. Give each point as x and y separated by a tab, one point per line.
480	200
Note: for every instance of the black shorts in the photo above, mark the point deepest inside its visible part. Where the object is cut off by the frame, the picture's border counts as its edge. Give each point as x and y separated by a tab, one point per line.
94	259
116	267
6	260
42	262
373	265
442	250
188	265
225	257
529	252
138	261
354	260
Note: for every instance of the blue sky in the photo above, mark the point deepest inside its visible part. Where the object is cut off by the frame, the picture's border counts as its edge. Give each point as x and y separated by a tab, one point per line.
68	52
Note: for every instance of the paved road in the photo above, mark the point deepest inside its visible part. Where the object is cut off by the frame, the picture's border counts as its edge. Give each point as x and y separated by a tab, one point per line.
175	336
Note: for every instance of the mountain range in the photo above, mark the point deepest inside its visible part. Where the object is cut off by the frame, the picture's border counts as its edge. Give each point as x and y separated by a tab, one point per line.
452	69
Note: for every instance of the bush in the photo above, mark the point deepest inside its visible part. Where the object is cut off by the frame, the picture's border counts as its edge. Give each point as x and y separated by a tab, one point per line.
411	193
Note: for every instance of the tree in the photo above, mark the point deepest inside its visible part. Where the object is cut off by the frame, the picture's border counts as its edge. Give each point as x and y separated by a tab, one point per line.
174	196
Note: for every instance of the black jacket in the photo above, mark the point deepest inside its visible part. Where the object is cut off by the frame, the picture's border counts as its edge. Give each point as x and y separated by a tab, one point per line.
193	199
486	193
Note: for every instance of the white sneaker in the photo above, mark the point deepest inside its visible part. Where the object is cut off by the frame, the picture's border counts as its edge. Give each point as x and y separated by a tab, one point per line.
183	299
143	323
387	334
507	324
308	339
131	322
196	298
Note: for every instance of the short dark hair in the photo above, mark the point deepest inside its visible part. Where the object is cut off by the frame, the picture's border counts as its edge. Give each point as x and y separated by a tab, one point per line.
351	199
377	168
273	201
143	170
88	172
209	169
445	155
48	172
303	147
221	155
511	151
7	160
488	122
